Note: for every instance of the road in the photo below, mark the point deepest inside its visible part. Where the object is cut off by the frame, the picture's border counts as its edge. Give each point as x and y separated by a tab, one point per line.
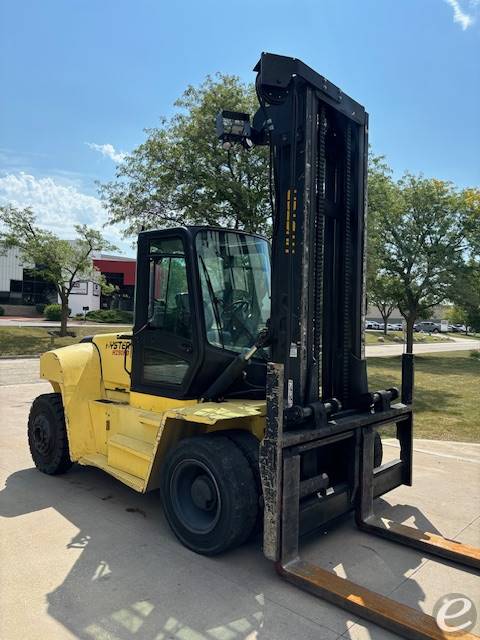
84	557
457	344
32	322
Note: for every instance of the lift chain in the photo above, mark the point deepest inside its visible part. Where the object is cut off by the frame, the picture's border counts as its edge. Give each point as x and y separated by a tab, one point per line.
319	245
347	279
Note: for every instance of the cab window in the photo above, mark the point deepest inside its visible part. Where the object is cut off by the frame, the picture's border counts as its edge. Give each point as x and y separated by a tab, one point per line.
169	305
168	314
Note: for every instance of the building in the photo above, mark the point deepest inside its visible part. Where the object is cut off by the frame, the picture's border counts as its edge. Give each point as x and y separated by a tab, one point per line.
121	272
437	314
22	288
118	271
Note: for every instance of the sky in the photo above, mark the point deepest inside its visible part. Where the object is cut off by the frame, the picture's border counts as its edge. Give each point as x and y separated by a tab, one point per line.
81	80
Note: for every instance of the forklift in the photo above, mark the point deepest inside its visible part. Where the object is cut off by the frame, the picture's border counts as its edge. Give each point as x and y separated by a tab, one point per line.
241	392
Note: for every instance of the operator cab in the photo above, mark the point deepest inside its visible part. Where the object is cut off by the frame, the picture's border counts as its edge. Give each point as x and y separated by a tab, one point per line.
202	298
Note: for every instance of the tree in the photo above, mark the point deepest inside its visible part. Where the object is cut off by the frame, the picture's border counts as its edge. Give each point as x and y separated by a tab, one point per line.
383	292
182	175
472	223
465	293
62	262
381	197
455	315
417	227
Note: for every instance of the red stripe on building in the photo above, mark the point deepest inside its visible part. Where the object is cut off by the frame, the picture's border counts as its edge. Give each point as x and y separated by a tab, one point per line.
127	267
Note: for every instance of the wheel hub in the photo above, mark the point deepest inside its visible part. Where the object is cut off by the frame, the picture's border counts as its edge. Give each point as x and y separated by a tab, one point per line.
203	493
42	435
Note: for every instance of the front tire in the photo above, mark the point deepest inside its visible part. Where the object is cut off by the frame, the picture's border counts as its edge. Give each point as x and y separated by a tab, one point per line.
209	494
47	435
250	447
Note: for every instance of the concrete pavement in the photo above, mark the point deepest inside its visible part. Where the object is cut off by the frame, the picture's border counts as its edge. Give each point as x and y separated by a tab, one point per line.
83	556
14	371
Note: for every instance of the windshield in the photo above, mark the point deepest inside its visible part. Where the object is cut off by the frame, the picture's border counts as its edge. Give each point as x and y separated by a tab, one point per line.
235	278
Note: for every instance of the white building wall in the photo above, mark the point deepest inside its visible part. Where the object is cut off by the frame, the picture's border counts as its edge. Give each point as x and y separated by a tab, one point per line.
88	295
11	268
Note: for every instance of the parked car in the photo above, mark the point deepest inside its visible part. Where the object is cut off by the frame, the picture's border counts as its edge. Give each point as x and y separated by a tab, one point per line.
371	324
429	326
457	328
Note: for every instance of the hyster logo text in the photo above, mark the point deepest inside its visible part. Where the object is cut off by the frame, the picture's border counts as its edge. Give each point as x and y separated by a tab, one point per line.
118	347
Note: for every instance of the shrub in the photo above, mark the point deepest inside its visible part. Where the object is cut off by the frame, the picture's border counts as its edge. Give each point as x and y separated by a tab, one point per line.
475	355
2	311
54	311
40	308
110	315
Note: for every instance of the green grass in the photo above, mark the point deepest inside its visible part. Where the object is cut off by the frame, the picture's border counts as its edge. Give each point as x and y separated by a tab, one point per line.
26	341
394	337
447	393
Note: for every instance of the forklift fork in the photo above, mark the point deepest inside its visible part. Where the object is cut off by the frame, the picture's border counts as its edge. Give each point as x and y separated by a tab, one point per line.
283	490
431	543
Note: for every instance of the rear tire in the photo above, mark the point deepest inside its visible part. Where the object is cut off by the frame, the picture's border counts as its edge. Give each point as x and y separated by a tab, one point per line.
47	435
209	494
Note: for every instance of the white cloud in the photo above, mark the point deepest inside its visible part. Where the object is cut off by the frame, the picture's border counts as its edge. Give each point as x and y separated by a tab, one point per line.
58	207
463	18
107	150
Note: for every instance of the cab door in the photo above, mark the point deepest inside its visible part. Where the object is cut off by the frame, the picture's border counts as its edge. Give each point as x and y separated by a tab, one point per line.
164	355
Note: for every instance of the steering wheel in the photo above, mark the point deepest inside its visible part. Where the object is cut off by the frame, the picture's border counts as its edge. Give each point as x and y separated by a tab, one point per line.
242	305
239	312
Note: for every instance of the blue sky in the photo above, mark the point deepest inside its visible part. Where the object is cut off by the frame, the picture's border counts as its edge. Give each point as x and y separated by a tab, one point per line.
81	79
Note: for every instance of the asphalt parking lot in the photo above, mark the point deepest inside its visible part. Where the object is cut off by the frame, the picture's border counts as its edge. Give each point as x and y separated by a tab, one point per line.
83	556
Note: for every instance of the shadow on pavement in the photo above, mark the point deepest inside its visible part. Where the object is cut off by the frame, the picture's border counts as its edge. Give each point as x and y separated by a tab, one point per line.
133	580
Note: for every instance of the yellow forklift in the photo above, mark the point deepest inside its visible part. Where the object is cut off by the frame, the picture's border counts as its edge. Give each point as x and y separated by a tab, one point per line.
242	391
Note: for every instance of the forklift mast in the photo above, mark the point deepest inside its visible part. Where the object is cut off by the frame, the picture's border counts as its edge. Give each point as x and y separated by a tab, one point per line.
318	137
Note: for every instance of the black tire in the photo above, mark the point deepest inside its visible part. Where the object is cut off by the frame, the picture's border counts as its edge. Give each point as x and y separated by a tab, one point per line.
377	451
47	435
209	494
250	447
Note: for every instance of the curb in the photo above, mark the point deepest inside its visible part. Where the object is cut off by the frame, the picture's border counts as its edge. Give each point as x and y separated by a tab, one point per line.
30	357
